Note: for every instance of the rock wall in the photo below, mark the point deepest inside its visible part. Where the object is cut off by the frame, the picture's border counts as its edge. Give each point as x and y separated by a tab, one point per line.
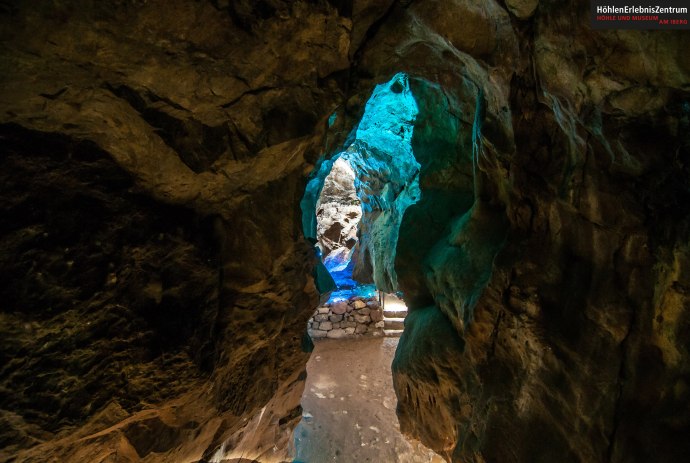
386	178
551	266
350	318
156	279
154	156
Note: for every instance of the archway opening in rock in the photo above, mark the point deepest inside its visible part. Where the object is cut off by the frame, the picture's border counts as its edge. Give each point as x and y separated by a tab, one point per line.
353	208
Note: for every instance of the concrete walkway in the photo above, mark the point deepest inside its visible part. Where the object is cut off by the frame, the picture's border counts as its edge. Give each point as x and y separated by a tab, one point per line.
349	407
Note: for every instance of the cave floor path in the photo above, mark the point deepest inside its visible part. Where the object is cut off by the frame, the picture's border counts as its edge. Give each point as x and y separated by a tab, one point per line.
349	406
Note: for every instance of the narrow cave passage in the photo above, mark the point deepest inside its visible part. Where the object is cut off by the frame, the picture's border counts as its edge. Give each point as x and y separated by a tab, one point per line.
356	307
353	208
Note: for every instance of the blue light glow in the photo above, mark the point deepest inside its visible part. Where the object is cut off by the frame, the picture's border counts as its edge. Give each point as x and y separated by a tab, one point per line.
388	120
386	182
387	179
365	291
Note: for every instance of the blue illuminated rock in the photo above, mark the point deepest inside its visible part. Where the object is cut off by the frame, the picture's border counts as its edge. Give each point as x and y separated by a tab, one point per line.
338	213
387	178
388	119
385	174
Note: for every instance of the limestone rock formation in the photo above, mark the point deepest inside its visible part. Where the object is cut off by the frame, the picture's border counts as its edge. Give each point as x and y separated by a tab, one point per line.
156	279
338	213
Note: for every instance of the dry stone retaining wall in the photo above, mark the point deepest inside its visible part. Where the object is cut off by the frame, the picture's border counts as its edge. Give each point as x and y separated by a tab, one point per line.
347	319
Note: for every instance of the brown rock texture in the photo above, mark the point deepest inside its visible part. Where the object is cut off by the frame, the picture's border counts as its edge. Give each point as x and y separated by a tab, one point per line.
156	282
155	278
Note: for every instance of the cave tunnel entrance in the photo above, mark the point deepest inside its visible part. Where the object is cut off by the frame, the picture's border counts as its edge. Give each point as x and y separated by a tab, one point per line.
356	306
353	208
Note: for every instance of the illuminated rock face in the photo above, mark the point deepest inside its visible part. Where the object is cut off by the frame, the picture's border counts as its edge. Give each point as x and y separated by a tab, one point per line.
385	174
387	177
338	213
155	271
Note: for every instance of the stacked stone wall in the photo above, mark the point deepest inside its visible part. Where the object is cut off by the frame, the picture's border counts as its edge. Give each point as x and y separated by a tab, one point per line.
357	316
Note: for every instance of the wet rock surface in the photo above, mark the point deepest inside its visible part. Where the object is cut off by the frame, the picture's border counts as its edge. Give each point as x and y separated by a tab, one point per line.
155	277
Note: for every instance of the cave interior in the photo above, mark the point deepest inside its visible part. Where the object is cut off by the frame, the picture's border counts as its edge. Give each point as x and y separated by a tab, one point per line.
520	177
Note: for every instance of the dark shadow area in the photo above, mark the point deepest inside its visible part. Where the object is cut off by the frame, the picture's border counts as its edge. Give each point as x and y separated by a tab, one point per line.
105	291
